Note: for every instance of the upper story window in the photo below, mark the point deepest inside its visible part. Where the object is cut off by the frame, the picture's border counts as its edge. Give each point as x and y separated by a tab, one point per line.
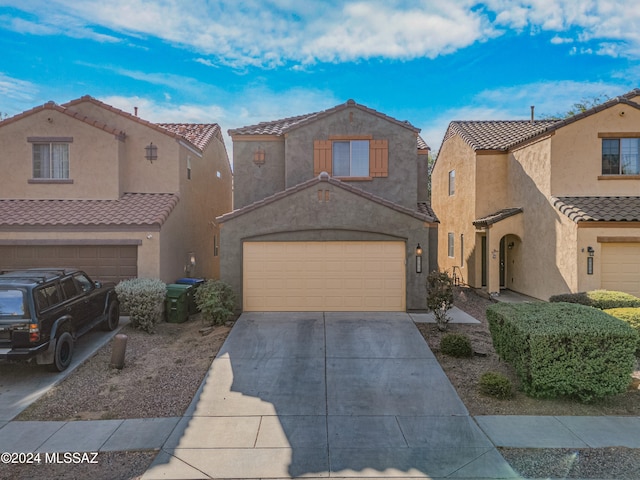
621	156
358	158
50	157
351	158
452	182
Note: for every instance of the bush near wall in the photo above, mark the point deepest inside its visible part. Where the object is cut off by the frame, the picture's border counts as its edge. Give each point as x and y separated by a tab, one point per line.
564	349
143	298
602	299
631	316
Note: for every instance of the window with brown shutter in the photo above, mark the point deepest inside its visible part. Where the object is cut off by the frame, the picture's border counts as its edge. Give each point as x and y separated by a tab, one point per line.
347	151
379	158
322	157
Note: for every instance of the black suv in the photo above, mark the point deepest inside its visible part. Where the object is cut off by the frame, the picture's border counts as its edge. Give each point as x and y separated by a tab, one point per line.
42	312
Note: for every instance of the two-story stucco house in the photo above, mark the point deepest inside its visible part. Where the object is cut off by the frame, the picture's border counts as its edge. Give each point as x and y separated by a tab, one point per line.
543	207
90	186
330	214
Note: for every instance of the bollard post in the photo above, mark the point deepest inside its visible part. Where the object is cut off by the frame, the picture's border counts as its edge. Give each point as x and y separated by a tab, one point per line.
118	351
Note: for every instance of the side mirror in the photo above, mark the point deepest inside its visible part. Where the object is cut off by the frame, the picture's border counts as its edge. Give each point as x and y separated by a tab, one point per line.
98	284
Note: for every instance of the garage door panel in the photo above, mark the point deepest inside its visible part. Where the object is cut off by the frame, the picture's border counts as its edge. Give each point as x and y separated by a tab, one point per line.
621	267
103	262
317	276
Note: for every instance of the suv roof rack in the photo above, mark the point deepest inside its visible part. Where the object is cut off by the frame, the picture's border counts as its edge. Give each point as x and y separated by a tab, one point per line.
36	274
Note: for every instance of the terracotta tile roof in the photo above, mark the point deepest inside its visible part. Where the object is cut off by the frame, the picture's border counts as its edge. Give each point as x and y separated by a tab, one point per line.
324	177
279	127
199	134
192	132
496	134
422	145
71	113
425	209
502	135
496	217
130	209
599	209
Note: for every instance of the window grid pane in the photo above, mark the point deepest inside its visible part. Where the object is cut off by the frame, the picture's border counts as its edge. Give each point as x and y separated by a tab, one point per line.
341	159
359	158
51	160
629	163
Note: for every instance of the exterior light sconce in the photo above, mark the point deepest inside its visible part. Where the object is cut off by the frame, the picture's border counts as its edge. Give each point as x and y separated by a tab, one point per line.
511	245
191	263
151	152
418	259
591	252
259	156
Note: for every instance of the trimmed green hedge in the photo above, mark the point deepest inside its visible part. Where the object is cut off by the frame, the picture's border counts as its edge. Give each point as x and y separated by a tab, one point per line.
563	349
629	315
602	299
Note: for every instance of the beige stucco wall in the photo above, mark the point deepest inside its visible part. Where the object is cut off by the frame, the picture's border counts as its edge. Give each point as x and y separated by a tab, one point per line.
95	157
577	154
138	174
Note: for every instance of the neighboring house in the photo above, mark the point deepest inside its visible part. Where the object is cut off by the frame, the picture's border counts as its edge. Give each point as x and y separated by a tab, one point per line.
543	207
329	212
87	185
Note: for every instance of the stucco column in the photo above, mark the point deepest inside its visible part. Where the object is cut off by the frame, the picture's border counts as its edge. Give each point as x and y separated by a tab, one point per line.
493	260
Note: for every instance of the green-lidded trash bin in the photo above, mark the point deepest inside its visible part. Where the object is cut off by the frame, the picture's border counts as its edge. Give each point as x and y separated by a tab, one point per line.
191	294
177	303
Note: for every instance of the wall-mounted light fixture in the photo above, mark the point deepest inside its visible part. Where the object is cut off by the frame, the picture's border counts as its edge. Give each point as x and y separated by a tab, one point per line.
511	245
418	259
191	263
259	156
591	252
151	152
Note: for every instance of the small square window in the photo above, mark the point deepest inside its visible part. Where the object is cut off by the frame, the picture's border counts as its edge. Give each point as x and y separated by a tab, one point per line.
351	158
51	160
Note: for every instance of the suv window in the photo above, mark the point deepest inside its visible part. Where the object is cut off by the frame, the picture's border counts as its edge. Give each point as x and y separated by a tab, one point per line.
69	288
83	282
47	296
12	304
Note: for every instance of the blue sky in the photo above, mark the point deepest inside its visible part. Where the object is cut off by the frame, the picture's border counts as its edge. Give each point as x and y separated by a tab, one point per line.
239	63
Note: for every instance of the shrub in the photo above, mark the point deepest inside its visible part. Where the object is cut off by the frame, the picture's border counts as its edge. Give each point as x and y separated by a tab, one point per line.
495	385
602	299
143	298
440	296
630	316
563	349
456	345
216	301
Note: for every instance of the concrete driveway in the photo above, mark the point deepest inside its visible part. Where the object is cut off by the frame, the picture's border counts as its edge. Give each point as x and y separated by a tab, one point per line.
21	384
327	395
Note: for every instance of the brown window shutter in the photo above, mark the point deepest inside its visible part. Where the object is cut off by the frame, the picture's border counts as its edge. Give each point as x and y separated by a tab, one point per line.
321	157
378	158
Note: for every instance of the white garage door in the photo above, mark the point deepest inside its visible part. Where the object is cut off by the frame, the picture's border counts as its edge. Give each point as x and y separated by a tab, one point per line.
621	267
324	276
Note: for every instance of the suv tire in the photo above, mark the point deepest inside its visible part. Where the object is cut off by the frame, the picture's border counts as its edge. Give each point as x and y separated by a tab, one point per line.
113	317
63	352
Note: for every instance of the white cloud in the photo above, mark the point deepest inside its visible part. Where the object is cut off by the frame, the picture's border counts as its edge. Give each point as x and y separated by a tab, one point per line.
16	95
273	33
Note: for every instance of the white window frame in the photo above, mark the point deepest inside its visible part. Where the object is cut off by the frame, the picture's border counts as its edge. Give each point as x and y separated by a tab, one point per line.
49	169
451	252
353	169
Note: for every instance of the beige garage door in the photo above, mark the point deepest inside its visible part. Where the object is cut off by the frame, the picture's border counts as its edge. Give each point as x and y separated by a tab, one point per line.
621	267
108	263
324	276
